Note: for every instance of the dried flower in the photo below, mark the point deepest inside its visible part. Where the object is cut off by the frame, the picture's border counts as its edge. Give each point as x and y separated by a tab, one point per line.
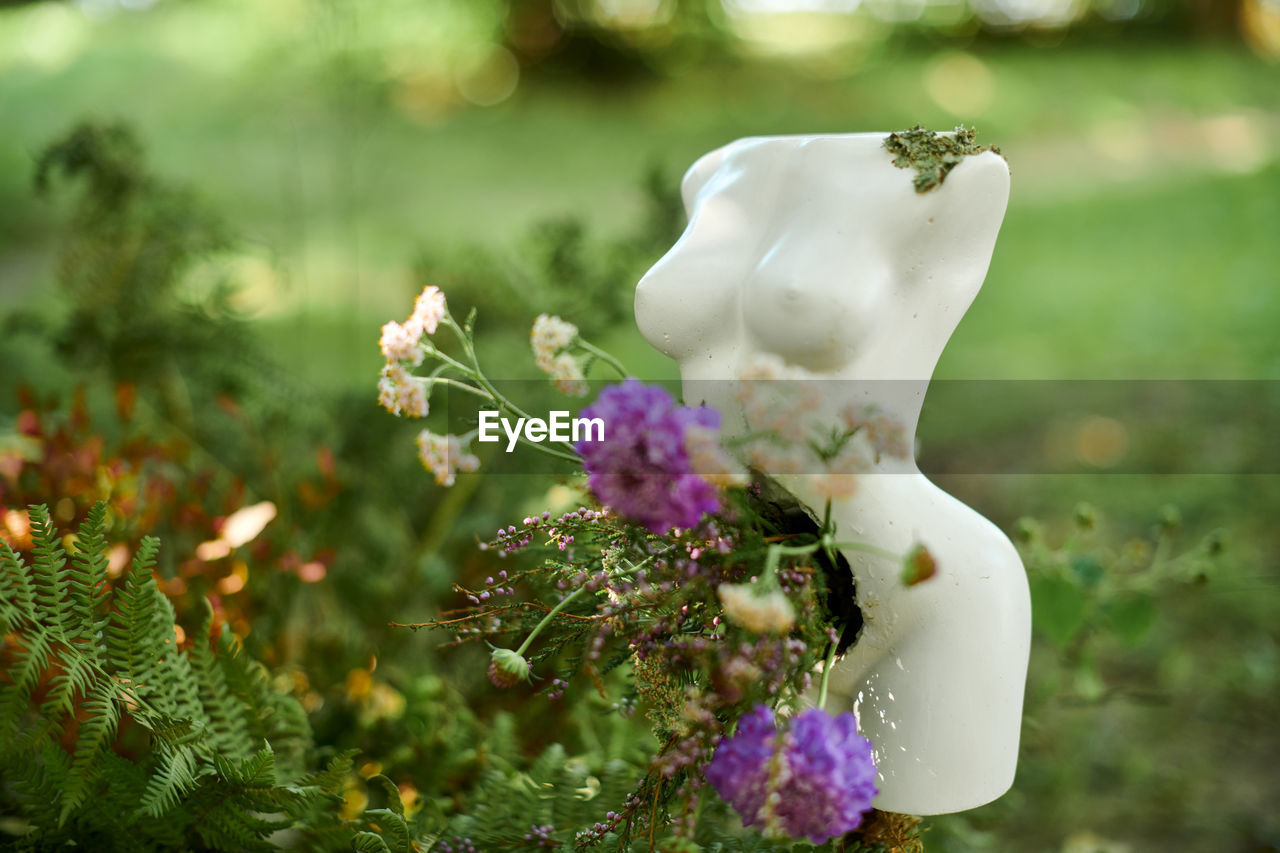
506	668
886	435
567	373
708	459
443	456
401	343
760	613
548	337
401	392
428	310
820	788
918	566
641	468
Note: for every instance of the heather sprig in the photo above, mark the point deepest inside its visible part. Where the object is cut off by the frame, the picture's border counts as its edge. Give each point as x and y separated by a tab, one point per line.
654	610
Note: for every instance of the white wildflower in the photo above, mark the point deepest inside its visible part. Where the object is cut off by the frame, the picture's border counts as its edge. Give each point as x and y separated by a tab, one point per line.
567	373
400	392
401	343
428	310
443	456
548	337
759	613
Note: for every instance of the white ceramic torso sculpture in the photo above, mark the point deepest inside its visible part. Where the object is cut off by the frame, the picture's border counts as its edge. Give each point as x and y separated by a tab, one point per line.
817	249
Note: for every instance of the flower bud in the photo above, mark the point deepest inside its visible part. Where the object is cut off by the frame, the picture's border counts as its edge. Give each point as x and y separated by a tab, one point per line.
770	612
506	668
919	566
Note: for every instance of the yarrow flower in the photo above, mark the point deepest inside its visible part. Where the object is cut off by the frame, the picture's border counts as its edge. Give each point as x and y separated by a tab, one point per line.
814	780
567	373
770	612
399	391
428	310
443	456
401	343
548	337
641	469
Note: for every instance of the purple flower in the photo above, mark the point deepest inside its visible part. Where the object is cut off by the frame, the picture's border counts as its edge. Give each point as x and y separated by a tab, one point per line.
825	778
641	469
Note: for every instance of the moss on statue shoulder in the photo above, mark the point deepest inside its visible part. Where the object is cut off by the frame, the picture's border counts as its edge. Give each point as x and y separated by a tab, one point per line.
933	155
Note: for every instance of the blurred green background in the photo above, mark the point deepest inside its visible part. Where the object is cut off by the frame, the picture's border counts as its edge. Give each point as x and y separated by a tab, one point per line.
523	155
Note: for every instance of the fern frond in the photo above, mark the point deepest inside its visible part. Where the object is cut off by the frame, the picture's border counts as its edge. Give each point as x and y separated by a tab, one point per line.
369	842
87	582
131	631
216	725
17	595
97	732
270	715
48	572
228	729
174	775
392	828
27	665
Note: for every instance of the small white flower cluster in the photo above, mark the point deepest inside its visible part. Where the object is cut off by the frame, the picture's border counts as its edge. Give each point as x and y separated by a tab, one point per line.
792	434
443	456
549	338
886	436
761	613
403	342
400	392
709	460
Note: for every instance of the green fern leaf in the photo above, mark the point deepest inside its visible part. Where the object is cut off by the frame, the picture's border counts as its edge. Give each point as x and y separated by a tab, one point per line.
131	631
87	582
228	729
389	789
392	828
175	775
369	842
95	735
17	596
48	573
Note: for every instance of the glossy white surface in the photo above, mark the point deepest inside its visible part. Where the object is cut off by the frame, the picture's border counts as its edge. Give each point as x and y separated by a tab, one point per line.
817	249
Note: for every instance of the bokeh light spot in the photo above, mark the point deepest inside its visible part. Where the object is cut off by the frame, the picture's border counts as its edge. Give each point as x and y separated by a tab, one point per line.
960	83
1101	441
487	76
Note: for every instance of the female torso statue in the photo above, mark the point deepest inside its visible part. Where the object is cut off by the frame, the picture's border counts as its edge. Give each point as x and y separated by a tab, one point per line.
820	251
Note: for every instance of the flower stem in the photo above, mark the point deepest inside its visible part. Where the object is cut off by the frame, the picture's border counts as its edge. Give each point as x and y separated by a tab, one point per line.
487	389
605	357
866	549
546	620
826	675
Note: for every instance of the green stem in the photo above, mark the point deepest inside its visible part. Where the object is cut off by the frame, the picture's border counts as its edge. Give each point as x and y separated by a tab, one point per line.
826	674
567	451
486	389
547	619
461	386
867	549
605	357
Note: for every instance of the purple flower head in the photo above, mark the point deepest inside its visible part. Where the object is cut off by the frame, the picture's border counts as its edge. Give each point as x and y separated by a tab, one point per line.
641	469
825	779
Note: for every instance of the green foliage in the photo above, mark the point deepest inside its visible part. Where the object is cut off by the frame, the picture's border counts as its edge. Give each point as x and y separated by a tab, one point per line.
116	738
1086	593
561	265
